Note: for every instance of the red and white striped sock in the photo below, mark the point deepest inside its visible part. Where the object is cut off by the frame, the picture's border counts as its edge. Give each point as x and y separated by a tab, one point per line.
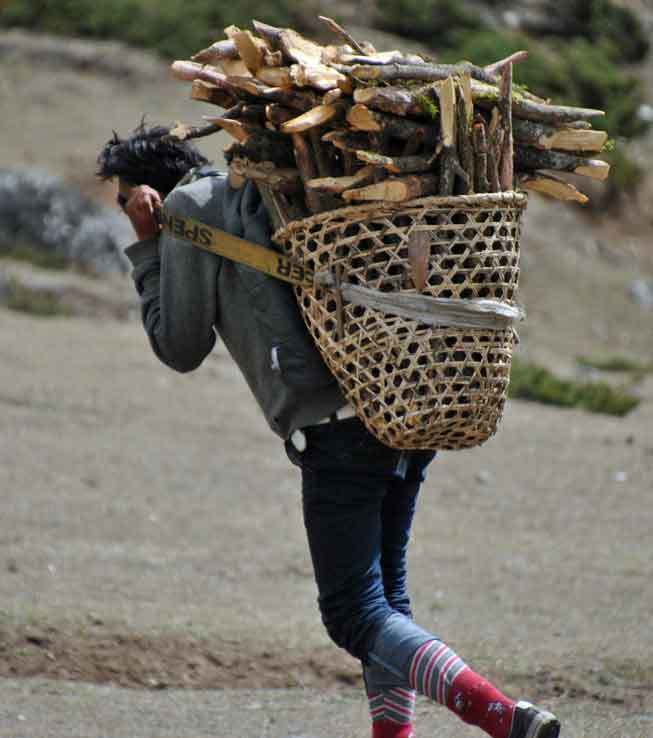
439	673
392	712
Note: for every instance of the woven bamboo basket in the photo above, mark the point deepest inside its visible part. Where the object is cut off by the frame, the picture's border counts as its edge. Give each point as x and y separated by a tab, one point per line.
415	384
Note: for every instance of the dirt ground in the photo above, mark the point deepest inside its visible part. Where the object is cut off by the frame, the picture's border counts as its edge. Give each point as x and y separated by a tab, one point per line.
154	576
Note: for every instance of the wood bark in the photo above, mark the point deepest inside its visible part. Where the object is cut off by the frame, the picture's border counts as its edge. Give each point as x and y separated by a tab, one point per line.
506	168
481	181
346	141
528	158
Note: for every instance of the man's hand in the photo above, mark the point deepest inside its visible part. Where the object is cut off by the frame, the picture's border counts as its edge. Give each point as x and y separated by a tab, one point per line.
142	208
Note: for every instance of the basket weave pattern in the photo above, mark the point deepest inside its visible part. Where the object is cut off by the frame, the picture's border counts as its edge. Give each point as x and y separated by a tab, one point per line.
414	385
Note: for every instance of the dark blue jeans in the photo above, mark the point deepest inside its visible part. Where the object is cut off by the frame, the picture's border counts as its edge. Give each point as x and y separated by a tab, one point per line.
359	499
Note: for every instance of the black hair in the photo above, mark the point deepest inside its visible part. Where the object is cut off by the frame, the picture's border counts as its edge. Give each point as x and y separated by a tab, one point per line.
148	157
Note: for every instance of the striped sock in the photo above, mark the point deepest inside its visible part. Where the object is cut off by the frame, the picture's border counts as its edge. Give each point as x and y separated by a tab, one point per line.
392	711
439	673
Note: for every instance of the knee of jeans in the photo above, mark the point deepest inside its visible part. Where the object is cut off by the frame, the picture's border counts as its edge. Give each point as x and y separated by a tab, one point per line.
354	630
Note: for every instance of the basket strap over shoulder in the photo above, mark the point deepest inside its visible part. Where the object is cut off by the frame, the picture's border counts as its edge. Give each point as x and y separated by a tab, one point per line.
235	248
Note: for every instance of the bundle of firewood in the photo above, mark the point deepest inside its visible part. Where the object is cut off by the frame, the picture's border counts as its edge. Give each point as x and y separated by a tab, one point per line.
323	126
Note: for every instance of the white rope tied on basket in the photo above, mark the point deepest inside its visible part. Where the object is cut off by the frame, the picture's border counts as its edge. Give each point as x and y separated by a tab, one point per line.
435	311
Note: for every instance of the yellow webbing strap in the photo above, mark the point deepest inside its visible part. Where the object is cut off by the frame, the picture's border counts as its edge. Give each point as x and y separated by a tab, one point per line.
237	249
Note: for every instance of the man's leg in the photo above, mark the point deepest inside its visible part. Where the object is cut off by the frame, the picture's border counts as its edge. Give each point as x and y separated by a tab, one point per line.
391	703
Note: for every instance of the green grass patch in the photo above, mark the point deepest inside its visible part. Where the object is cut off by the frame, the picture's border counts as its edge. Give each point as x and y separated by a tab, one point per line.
616	364
36	257
40	303
532	382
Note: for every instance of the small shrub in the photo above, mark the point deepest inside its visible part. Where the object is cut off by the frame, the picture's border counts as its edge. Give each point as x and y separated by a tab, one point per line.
40	303
533	382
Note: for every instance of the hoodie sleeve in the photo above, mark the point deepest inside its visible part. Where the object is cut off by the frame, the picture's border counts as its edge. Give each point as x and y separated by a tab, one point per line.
177	284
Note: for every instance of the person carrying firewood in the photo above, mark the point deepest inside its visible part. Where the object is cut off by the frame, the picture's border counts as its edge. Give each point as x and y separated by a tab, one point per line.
359	496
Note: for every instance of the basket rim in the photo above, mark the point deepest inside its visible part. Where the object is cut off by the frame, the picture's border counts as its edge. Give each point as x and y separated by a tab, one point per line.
512	197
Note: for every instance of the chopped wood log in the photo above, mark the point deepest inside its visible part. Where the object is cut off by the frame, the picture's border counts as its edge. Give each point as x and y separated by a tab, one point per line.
242	131
549	184
271	34
528	158
565	139
300	100
318	76
337	185
190	71
186	132
217	52
340	31
487	96
273	58
322	159
424	72
412	145
283	180
449	163
496	68
310	119
346	141
381	57
299	49
278	115
250	112
275	76
397	100
399	164
250	85
481	181
396	190
210	93
308	171
506	168
263	148
362	118
333	96
494	150
250	49
235	68
465	121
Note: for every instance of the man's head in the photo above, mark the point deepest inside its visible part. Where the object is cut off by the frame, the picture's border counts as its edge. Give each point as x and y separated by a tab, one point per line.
148	157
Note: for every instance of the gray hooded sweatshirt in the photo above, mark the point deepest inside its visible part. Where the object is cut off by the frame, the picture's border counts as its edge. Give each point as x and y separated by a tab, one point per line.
188	295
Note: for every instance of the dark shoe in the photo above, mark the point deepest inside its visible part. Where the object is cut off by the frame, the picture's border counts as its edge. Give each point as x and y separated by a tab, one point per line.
531	722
